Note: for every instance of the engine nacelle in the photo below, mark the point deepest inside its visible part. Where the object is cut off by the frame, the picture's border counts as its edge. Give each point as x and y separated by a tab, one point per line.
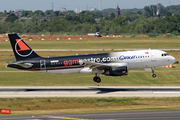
118	71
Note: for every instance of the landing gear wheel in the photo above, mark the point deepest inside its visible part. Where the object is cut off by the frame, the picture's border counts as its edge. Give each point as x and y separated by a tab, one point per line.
154	75
97	79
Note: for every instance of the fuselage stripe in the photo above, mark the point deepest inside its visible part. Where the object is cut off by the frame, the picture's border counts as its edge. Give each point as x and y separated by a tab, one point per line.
57	68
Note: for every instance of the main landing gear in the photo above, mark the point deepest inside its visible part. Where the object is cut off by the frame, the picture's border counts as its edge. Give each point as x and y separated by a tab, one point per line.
154	75
97	78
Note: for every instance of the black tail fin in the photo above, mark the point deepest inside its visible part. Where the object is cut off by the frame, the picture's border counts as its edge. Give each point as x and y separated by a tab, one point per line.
21	50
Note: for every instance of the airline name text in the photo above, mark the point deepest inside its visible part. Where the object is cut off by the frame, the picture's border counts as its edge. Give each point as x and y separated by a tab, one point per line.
98	60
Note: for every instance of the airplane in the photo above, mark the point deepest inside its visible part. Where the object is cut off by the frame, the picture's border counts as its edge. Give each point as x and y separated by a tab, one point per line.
108	64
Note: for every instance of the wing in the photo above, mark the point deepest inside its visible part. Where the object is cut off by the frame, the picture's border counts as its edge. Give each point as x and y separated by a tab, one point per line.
102	66
93	65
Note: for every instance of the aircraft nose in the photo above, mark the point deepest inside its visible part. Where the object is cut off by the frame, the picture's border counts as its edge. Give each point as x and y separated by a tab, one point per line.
173	59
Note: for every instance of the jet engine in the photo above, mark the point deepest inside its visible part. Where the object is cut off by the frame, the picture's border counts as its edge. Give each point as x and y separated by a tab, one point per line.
117	71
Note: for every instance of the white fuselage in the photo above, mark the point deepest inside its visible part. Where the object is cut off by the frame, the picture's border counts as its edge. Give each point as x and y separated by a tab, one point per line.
132	59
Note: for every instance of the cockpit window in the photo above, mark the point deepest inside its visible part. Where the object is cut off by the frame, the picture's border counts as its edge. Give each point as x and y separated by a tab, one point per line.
165	54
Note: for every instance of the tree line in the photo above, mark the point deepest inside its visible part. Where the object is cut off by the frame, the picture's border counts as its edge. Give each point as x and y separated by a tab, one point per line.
139	21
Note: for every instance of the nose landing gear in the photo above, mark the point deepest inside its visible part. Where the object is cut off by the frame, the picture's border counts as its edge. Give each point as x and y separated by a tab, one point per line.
154	75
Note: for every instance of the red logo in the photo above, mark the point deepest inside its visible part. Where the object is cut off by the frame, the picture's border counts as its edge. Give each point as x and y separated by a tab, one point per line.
23	50
146	52
5	111
22	45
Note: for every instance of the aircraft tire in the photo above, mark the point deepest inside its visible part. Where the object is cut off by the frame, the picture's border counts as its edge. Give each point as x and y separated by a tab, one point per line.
154	75
97	79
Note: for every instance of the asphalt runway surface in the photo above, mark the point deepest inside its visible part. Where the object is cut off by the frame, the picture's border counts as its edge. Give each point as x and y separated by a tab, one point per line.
142	115
91	91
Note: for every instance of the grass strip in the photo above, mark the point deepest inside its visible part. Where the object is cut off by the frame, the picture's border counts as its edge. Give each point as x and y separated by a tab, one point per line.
35	106
133	79
101	43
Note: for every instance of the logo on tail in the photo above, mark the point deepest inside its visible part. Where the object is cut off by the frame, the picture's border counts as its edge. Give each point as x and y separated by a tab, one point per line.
22	49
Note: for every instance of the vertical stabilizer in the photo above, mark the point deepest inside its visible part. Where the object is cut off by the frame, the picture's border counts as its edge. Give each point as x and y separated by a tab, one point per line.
21	50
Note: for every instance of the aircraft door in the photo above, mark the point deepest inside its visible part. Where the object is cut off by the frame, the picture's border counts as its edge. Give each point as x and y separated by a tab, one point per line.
42	64
153	56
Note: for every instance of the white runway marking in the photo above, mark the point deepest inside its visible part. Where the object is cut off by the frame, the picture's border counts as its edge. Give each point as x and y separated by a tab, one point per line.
167	92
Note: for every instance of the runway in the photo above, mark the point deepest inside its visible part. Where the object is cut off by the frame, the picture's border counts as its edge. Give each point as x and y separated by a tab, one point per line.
142	115
91	91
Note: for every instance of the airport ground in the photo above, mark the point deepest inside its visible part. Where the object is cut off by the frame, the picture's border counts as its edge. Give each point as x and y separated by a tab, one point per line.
13	77
38	106
103	43
139	115
165	77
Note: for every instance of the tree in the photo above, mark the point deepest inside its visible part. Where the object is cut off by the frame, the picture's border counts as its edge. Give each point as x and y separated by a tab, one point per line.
139	12
26	13
11	18
16	30
150	10
38	13
1	14
56	13
35	29
147	14
146	8
5	13
168	13
49	12
120	20
134	17
153	9
112	16
163	11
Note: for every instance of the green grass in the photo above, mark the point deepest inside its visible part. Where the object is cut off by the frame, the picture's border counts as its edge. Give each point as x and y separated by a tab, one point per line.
117	43
25	106
133	79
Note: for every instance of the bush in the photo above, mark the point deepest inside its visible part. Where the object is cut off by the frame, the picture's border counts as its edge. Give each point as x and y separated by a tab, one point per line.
16	30
153	35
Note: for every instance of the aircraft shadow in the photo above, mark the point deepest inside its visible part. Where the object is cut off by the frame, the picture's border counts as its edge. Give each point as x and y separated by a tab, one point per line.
93	89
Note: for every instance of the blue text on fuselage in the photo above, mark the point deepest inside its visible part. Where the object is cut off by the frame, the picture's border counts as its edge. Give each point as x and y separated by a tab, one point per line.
123	57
